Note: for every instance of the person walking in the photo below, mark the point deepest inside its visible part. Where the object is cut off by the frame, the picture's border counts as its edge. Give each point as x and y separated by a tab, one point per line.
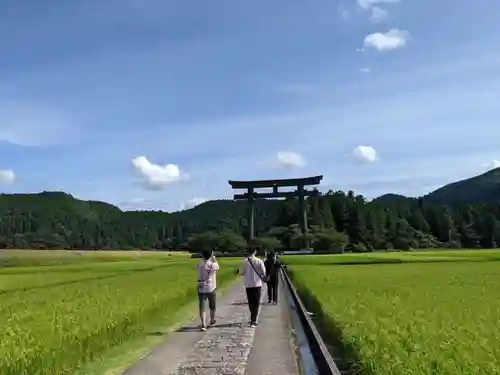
273	265
254	273
207	285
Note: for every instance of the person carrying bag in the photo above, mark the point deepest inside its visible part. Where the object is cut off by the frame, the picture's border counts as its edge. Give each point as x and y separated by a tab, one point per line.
202	283
254	274
207	285
273	266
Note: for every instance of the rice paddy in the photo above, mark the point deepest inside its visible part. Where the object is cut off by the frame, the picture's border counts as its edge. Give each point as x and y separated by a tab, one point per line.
59	312
431	313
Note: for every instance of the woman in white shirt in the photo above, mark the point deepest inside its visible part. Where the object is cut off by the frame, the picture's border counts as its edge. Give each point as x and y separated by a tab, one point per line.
207	284
253	271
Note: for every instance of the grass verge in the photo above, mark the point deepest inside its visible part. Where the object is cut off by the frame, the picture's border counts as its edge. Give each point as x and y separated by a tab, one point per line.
119	358
414	318
346	356
58	318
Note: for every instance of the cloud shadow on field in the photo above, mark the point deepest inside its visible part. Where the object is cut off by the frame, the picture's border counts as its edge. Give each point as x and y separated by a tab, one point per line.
411	261
417	259
345	355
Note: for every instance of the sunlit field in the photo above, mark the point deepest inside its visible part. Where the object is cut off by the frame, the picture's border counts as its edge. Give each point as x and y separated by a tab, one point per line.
59	310
16	258
410	313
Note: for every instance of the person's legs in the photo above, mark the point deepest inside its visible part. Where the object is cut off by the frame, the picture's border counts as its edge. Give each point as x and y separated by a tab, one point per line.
252	303
201	308
250	299
275	292
259	292
269	292
212	305
255	314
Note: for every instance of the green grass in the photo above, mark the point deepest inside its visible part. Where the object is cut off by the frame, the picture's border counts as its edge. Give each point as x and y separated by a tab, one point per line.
434	313
429	256
59	317
20	258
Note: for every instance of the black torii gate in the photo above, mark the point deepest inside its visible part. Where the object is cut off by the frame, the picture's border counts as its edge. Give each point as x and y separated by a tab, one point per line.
300	193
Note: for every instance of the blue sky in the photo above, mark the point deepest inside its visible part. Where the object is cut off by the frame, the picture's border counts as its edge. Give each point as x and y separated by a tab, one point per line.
98	96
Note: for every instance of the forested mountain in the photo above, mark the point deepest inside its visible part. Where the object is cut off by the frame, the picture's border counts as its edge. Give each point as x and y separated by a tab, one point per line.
337	220
484	188
58	220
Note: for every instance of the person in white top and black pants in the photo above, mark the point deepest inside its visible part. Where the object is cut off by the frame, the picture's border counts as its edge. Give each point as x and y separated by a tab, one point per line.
253	271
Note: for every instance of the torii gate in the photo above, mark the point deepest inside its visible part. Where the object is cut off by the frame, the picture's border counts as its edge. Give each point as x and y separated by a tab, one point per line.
301	193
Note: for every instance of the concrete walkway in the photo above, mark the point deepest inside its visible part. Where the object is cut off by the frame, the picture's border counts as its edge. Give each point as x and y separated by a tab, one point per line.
231	347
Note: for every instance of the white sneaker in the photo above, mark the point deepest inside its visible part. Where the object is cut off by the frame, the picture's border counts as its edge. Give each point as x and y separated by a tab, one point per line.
203	328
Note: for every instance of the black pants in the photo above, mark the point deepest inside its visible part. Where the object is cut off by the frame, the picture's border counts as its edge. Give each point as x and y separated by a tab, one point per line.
253	297
272	291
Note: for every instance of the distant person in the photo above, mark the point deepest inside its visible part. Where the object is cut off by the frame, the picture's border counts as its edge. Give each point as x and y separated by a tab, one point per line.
207	285
254	273
273	265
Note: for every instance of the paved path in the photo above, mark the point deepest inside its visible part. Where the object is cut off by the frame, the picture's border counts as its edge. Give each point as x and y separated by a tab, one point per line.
231	347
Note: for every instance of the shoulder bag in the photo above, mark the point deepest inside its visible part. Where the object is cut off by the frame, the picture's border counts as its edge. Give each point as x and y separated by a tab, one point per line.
201	283
262	277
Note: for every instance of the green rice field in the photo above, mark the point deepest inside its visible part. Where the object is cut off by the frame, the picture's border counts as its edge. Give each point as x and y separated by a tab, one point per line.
386	313
416	313
60	310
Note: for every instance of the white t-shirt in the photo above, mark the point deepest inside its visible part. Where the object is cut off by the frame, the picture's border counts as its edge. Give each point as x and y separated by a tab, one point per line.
206	271
251	278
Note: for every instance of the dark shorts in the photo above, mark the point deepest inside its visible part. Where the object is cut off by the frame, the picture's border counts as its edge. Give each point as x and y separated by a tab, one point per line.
210	297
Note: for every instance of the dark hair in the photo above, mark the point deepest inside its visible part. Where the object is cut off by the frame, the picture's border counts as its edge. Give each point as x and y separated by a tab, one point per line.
251	250
270	255
206	254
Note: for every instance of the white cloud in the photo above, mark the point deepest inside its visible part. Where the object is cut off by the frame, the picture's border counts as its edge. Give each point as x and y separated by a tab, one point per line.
365	70
156	176
291	159
7	176
493	165
365	154
378	14
391	40
367	4
193	202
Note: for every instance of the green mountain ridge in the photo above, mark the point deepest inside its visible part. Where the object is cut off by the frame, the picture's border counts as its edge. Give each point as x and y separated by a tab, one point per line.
483	188
462	214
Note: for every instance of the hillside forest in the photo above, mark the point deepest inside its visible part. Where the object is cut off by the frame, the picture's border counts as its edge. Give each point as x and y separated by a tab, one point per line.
338	221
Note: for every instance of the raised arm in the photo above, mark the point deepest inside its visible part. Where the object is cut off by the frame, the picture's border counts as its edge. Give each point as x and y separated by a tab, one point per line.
215	265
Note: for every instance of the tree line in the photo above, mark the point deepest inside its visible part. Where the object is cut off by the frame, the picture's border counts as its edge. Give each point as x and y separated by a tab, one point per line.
338	221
